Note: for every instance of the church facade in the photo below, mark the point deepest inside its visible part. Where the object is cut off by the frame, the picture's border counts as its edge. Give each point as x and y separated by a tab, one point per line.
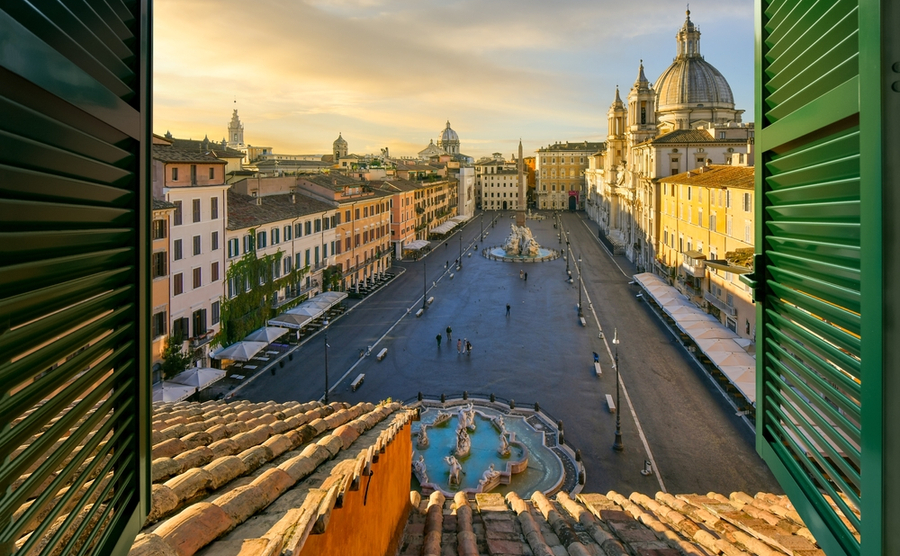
684	121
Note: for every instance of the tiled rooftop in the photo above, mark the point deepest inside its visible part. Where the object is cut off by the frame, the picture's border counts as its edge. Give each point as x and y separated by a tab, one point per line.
582	147
332	181
244	212
692	136
166	153
715	175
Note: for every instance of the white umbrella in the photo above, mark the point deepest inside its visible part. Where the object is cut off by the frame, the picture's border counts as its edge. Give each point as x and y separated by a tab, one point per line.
198	378
290	320
241	351
171	392
266	334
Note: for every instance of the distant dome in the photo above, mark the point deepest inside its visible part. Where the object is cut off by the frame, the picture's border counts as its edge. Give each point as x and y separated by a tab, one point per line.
691	80
340	141
448	134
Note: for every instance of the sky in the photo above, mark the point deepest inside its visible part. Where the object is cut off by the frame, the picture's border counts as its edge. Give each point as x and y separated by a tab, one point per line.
391	73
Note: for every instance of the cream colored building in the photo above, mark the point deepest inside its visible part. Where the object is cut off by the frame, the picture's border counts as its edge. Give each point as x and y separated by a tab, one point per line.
560	174
707	226
679	123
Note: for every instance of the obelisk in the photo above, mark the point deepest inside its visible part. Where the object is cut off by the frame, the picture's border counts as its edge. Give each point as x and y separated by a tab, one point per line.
520	212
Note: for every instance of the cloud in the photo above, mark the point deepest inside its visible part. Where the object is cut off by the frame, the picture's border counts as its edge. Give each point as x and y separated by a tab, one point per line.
391	72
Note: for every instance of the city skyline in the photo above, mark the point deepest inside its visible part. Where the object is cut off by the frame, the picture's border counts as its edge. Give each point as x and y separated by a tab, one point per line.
544	73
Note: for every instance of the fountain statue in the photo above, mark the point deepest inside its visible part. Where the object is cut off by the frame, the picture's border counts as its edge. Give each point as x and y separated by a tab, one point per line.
422	439
441	418
489	479
504	446
455	468
466	418
521	242
463	442
420	470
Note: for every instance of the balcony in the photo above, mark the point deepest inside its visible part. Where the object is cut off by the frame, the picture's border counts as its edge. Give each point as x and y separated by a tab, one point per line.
693	264
719	304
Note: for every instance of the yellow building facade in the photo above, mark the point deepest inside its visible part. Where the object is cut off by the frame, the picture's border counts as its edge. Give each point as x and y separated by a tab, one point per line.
706	240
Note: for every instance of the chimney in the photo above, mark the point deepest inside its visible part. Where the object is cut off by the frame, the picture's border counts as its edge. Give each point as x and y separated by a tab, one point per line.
259	201
293	199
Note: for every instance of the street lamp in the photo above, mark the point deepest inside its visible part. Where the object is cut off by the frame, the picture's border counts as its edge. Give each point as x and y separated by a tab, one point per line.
459	266
424	283
580	286
325	328
567	256
617	445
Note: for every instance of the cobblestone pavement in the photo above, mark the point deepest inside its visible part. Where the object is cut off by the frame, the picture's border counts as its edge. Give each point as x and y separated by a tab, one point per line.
540	353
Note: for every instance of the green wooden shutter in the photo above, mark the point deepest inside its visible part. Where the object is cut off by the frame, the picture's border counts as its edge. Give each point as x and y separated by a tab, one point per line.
74	229
817	276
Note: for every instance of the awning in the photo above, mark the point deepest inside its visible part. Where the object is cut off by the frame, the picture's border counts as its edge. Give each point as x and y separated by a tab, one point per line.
723	265
240	351
308	311
443	228
171	392
417	244
695	254
722	347
266	334
198	378
461	218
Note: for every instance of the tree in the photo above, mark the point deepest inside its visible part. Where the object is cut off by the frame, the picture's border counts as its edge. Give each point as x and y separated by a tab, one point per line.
174	358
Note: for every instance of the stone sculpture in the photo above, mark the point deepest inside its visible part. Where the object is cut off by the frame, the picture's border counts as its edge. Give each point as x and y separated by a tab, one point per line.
420	470
521	242
455	468
499	424
422	439
463	443
489	479
504	446
441	418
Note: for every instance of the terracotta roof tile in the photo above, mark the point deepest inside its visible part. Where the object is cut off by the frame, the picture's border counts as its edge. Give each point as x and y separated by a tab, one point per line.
244	212
715	175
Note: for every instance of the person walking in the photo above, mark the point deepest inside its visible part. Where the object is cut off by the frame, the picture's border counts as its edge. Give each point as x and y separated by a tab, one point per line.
521	274
507	309
468	347
438	338
526	276
458	346
449	330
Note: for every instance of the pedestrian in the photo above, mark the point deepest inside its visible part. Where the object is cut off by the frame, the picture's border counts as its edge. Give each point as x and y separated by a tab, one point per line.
458	346
521	275
439	337
526	276
449	330
507	309
468	348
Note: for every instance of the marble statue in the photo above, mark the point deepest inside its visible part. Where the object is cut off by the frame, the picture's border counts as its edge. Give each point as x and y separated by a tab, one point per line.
455	468
422	439
420	470
441	418
504	446
499	424
521	242
489	476
463	443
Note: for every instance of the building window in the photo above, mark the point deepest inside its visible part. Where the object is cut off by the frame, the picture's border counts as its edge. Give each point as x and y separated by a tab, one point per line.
308	226
712	222
174	174
233	248
193	174
196	245
196	209
158	324
287	265
197	278
689	192
728	199
248	243
276	236
214	241
347	244
177	252
260	240
298	230
318	225
215	313
199	318
214	272
747	232
213	205
317	255
159	229
287	233
307	257
728	225
158	262
212	173
357	214
748	205
177	215
178	284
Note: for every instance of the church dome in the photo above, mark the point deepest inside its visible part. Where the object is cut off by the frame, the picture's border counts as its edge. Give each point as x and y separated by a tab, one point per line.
448	135
340	141
691	80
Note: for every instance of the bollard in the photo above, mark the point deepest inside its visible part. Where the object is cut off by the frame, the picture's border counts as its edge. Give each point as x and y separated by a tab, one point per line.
493	398
419	396
281	363
443	398
273	371
465	394
562	438
291	356
581	477
537	406
577	455
512	403
559	424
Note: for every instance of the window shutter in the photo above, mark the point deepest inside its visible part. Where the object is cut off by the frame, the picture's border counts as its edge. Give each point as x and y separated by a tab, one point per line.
819	355
74	276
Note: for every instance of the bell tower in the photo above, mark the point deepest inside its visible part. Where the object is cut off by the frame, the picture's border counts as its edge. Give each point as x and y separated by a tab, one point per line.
235	131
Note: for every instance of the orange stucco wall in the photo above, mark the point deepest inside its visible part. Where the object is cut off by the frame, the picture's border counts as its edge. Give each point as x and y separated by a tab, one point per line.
376	527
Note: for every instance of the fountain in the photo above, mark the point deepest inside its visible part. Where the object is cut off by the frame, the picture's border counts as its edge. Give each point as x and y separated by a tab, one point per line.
520	246
506	452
